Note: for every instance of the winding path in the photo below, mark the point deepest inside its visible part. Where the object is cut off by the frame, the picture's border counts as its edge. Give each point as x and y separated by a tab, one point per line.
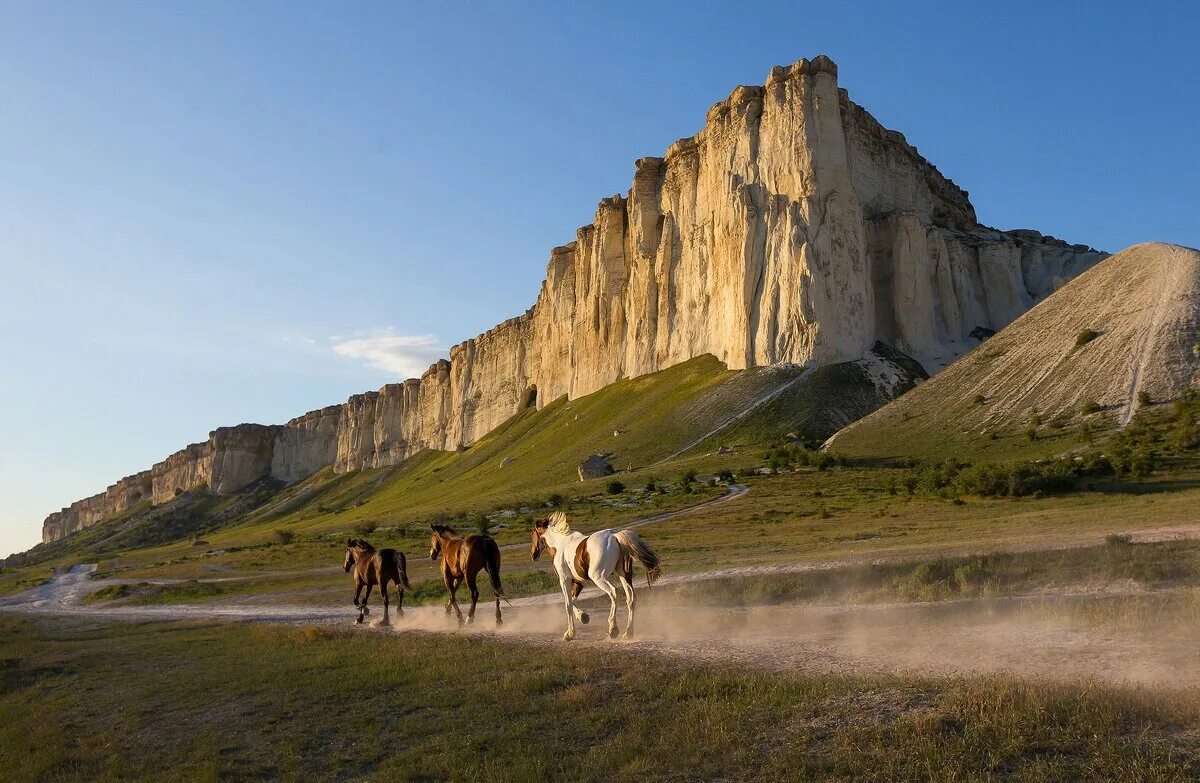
1050	635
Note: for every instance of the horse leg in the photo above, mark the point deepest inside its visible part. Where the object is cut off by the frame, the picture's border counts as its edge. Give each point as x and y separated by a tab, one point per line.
399	600
474	588
601	580
383	590
452	586
566	584
630	601
366	598
358	586
576	589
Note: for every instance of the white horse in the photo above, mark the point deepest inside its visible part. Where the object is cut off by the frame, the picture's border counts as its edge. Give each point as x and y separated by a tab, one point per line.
578	558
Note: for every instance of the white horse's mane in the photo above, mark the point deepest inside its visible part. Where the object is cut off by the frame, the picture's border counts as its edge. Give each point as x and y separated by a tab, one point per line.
558	523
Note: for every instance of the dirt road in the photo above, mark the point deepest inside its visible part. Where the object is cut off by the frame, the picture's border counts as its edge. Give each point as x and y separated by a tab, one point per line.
1050	636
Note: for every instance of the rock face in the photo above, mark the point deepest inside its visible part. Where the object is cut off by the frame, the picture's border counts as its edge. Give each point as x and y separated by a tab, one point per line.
306	444
792	228
117	499
229	460
595	467
1122	335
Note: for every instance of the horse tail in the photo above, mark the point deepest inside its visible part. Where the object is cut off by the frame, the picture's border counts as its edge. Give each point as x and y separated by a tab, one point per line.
402	567
633	546
491	562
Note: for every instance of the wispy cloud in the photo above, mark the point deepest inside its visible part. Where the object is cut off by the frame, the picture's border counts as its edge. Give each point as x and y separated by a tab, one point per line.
403	355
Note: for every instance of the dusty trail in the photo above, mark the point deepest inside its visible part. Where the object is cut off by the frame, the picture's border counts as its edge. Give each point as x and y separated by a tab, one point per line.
1048	636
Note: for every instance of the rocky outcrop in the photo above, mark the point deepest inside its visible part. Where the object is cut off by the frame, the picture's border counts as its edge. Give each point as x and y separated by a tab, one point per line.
306	444
117	499
231	458
793	228
595	467
1120	337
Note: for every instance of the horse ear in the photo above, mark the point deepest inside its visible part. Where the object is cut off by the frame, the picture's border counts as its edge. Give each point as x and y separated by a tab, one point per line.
349	542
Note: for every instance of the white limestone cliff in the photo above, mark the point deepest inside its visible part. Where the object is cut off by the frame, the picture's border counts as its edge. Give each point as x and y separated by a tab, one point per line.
793	228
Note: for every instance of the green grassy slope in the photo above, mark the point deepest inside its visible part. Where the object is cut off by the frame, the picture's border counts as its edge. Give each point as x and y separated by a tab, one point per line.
819	403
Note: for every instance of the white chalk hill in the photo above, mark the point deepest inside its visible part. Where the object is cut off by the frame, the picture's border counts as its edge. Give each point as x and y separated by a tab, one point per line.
1122	335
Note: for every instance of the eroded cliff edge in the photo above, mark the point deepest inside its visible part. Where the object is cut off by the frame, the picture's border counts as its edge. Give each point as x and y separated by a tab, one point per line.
792	228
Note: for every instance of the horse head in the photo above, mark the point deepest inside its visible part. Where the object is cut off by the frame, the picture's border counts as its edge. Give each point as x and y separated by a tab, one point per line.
440	533
351	544
537	543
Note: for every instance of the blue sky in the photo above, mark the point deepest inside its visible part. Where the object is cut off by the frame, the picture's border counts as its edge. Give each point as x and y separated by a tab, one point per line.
221	212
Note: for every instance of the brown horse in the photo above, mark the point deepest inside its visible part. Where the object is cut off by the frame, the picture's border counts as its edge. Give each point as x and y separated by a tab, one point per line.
376	568
462	559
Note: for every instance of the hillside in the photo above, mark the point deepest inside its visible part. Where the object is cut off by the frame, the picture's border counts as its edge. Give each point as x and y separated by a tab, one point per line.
792	229
1121	338
659	423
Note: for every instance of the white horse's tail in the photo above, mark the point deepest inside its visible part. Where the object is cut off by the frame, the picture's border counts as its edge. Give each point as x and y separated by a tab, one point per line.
633	546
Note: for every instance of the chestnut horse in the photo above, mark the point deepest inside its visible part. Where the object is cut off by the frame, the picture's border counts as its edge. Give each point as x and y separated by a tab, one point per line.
376	568
578	557
463	557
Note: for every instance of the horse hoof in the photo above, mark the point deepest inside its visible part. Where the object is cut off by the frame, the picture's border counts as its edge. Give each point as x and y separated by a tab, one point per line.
365	610
585	618
359	620
612	632
627	635
499	621
568	636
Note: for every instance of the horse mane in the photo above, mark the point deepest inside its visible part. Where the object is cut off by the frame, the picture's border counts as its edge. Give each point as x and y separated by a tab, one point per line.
445	531
558	522
360	543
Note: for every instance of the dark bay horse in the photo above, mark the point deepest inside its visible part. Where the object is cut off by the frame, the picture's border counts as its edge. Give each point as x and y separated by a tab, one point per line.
376	568
463	557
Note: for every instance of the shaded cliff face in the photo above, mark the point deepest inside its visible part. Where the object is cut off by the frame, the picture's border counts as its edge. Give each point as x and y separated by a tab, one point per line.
792	228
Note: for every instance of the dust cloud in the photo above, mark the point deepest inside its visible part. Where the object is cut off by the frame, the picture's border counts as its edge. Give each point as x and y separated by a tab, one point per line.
1145	639
1055	637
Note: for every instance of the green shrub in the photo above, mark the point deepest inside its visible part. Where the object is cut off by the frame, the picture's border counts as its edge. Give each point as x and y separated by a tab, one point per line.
980	399
687	477
1087	433
1085	337
284	536
953	477
614	487
366	527
1031	434
555	501
1090	407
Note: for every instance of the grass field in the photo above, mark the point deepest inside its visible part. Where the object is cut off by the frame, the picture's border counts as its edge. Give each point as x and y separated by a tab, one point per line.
187	701
193	702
